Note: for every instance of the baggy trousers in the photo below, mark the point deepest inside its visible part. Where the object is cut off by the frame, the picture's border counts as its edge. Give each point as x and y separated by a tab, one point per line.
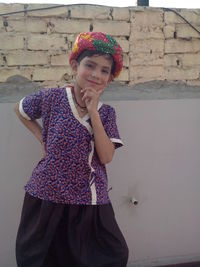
63	235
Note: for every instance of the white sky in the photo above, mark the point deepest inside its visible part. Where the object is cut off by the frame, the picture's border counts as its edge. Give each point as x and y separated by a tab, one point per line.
153	3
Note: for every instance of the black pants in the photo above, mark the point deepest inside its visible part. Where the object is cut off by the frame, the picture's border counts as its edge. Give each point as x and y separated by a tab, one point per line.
62	235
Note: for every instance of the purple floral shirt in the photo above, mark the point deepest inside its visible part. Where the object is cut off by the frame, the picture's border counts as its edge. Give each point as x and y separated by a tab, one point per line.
71	171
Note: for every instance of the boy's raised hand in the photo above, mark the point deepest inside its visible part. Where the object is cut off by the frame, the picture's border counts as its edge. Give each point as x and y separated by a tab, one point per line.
91	98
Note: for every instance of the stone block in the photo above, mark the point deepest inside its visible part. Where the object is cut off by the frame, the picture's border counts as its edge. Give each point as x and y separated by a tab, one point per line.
124	76
144	59
123	43
47	42
69	26
169	31
146	17
116	28
2	63
146	32
8	8
172	61
11	41
148	46
190	60
60	59
193	82
186	31
23	58
5	73
125	60
120	13
146	72
89	12
2	28
181	74
27	25
50	74
58	11
191	15
182	60
182	46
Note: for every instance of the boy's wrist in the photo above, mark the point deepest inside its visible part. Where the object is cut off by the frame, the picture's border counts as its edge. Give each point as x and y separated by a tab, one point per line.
93	113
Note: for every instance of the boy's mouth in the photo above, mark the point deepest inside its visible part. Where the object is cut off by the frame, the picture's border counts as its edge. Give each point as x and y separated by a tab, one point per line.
93	82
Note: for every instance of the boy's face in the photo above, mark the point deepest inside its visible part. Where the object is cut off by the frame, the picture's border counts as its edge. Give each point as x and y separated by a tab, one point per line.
94	71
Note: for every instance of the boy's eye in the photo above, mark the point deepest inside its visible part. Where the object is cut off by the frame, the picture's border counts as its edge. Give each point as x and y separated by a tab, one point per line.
89	65
105	71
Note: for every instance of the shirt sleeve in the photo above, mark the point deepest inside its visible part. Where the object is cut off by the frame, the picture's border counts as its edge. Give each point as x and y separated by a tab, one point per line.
30	107
111	129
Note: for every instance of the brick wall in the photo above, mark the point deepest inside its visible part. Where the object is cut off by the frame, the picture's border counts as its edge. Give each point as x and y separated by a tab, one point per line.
157	44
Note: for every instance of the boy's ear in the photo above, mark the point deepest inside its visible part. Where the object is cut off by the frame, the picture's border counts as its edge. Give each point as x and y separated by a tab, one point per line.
74	66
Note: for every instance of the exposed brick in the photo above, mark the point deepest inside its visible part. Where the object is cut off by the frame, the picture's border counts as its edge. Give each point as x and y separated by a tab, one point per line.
27	25
90	12
50	74
116	28
169	31
182	46
26	58
143	59
60	60
181	74
69	26
11	42
147	46
147	17
46	42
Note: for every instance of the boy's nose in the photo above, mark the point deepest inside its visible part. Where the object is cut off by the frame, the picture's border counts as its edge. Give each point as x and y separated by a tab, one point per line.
96	74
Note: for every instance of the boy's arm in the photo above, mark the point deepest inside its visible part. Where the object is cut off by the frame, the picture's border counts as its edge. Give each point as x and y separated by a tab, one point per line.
104	146
32	125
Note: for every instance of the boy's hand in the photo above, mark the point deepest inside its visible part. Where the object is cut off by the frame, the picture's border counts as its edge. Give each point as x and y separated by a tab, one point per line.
91	98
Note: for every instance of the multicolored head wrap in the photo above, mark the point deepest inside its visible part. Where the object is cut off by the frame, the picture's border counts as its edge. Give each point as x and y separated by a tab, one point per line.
100	42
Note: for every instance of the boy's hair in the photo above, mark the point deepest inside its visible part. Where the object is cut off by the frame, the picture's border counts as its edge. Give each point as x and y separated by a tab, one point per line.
90	53
100	43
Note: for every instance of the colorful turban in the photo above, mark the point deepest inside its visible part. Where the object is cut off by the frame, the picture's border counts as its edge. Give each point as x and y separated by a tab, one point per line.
98	41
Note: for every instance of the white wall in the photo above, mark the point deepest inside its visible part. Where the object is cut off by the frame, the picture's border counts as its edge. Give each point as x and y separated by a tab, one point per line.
159	165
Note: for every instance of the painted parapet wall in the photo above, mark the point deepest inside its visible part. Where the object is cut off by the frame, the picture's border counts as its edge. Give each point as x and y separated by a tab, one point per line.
159	166
157	43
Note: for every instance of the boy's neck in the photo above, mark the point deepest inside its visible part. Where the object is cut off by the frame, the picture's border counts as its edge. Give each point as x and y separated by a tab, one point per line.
78	95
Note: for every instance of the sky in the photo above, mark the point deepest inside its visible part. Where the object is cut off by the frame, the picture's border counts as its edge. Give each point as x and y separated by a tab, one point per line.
119	3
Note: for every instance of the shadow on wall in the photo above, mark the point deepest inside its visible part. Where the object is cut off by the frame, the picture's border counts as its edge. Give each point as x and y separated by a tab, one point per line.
18	86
